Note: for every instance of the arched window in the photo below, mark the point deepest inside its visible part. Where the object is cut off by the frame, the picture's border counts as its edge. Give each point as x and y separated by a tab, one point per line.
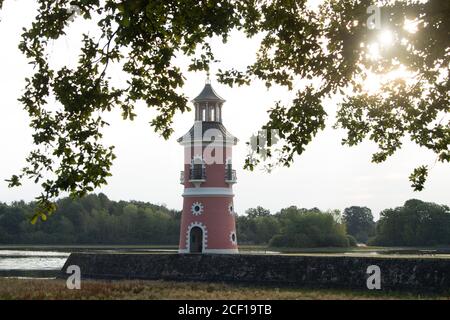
203	113
229	164
229	169
230	174
213	114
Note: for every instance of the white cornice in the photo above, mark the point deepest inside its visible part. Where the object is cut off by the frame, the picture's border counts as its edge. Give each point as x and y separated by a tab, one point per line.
208	192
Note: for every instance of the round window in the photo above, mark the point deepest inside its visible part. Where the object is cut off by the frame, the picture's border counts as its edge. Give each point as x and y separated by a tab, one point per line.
231	208
233	237
197	208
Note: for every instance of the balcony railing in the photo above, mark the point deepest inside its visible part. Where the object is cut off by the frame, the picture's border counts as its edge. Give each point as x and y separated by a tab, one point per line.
197	174
230	176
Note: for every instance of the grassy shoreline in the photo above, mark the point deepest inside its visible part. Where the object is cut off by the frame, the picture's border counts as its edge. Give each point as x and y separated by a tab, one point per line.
30	289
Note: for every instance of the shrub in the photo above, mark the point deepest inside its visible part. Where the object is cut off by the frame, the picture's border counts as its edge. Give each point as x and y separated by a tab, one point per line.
291	240
351	241
302	228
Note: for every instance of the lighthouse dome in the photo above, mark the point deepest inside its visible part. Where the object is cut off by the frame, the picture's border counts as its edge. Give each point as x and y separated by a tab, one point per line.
208	95
208	119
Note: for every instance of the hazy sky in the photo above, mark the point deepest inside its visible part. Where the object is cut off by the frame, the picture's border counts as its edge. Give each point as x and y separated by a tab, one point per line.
327	175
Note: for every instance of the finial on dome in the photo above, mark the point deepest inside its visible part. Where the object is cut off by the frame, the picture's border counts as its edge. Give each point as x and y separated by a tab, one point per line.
208	94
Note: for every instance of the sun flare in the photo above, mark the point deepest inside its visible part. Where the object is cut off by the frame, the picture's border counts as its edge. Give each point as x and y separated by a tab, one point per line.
386	38
373	82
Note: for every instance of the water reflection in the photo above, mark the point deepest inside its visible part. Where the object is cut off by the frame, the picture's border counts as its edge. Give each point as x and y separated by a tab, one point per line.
40	263
26	253
32	260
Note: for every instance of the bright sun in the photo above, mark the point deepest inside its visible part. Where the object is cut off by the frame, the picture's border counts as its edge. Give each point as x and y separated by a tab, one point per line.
385	40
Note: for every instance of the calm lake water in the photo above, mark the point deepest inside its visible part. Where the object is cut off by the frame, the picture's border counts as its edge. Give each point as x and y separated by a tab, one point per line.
48	263
24	262
32	260
49	260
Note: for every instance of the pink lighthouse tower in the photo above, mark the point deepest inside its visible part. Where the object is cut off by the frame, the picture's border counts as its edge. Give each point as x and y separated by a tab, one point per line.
208	218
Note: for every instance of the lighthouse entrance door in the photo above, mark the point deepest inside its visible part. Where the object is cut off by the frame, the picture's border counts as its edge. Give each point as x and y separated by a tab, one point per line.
196	243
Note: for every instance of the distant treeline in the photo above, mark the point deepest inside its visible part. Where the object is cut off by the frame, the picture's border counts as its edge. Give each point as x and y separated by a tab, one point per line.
416	223
95	219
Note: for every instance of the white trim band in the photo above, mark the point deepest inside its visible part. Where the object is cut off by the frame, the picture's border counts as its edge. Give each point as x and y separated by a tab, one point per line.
201	143
208	192
222	251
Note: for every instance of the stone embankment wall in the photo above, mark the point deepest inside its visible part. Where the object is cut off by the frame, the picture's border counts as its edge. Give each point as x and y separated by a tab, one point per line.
411	274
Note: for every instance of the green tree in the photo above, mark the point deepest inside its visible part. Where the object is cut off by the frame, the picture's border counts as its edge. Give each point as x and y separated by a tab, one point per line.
266	227
328	50
309	228
245	230
359	222
257	212
416	223
258	226
11	219
91	220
